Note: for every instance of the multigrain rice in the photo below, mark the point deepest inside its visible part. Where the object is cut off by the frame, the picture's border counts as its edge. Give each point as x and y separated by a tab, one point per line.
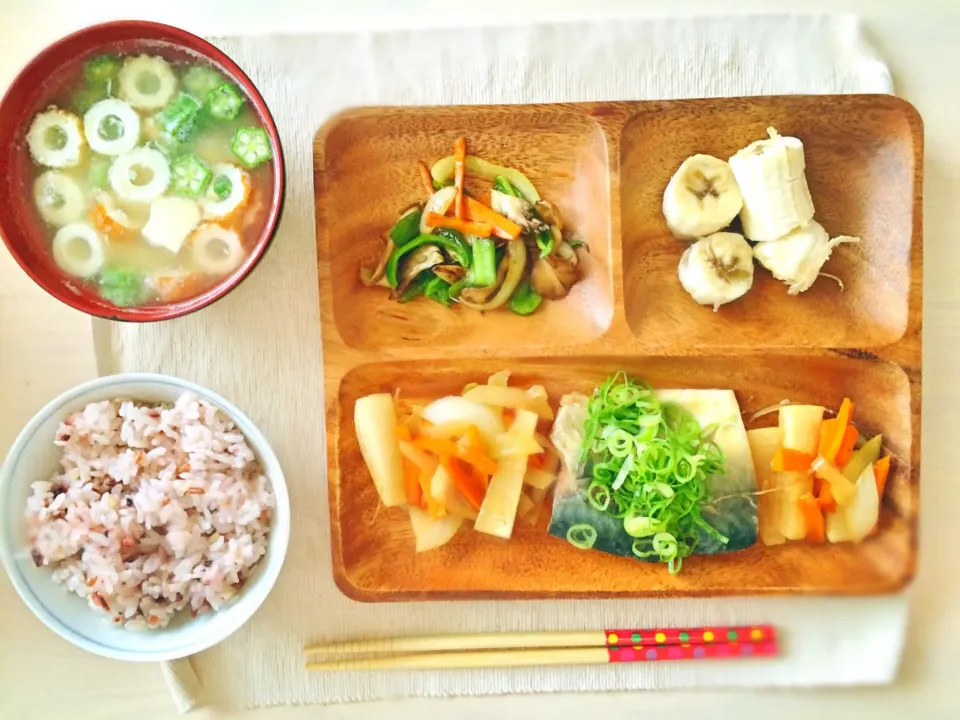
155	509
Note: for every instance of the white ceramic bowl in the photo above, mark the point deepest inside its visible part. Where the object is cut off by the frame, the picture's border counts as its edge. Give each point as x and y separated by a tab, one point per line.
34	457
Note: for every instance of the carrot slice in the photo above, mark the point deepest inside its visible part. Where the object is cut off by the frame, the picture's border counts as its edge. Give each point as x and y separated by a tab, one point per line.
813	516
825	498
787	460
480	229
881	469
426	179
464	480
502	227
838	431
459	163
850	437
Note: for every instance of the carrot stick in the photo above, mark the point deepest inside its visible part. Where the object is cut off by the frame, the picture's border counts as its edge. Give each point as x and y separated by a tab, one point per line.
537	461
426	179
468	485
459	163
481	462
480	229
508	414
436	446
502	227
825	497
403	432
411	483
850	437
787	460
881	469
813	517
833	431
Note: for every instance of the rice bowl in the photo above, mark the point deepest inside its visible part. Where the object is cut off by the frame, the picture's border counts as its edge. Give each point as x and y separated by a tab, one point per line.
95	490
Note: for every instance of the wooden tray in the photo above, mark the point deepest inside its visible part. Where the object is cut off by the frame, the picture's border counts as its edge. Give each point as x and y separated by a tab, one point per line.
606	165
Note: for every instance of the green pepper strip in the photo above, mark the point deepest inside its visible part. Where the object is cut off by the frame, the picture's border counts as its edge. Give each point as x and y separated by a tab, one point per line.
458	251
524	300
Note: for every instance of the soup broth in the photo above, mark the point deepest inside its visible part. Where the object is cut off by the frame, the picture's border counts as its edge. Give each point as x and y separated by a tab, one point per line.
151	176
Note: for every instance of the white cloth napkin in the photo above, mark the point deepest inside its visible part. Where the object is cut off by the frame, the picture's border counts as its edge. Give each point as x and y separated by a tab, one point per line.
261	348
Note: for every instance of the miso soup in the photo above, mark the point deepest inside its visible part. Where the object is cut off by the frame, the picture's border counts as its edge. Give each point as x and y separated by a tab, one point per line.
152	176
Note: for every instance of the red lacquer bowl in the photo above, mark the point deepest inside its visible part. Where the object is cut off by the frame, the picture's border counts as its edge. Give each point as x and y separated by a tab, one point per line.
19	224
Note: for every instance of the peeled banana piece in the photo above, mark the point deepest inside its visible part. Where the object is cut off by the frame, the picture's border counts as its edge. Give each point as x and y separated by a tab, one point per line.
776	199
717	269
701	198
797	257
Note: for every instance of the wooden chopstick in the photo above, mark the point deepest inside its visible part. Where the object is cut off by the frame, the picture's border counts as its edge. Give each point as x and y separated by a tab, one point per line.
561	639
550	656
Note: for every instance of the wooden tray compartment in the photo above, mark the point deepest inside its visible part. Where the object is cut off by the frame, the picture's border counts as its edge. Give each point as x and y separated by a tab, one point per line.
860	168
370	176
605	165
373	552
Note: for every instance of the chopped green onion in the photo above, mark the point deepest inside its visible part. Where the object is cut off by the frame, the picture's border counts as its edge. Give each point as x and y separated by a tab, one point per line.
582	536
598	496
251	145
655	463
224	102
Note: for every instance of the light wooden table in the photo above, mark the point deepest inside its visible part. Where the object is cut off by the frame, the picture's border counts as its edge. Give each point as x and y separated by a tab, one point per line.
46	348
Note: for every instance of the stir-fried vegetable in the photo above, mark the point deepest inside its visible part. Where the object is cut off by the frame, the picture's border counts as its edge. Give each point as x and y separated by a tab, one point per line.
509	252
458	460
649	464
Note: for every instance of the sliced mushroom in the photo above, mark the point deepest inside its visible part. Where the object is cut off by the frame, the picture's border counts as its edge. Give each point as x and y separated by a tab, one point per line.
376	277
516	209
423	258
451	273
550	213
552	277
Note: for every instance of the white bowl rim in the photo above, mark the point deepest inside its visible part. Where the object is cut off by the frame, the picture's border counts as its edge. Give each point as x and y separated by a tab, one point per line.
267	576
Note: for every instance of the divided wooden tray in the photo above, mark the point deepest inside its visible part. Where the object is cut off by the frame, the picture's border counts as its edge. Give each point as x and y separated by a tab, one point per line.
606	165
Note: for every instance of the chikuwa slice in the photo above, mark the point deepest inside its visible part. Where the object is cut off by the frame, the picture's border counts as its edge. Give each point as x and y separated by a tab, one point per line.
55	139
773	184
59	198
147	82
701	198
112	127
216	249
717	269
228	191
140	176
78	250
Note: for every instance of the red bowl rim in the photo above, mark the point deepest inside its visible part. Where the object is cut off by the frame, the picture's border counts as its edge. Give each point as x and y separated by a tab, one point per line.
152	313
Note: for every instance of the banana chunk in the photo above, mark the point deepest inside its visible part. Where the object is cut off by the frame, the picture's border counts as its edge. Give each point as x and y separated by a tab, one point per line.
771	177
701	198
717	269
797	257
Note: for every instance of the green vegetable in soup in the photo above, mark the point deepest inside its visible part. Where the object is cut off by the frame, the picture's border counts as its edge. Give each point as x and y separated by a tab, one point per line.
222	187
200	80
98	170
121	286
224	102
178	120
189	175
251	145
170	147
87	97
101	70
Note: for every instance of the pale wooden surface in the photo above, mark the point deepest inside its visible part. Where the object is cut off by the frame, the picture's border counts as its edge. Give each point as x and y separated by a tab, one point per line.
45	348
